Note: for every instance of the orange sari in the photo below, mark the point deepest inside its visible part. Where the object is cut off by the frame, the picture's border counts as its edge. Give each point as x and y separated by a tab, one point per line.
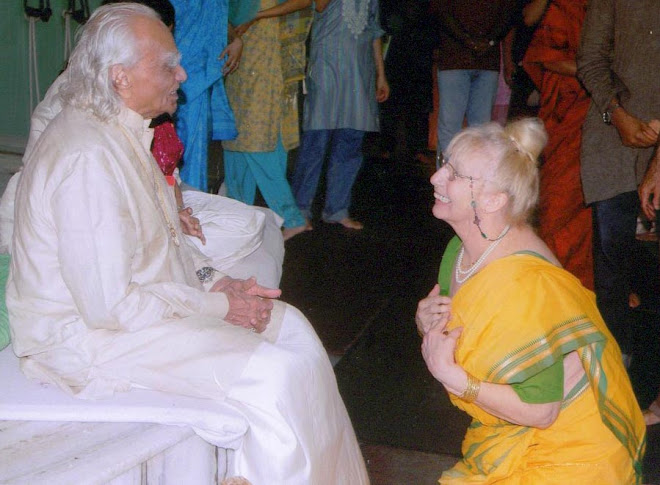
564	220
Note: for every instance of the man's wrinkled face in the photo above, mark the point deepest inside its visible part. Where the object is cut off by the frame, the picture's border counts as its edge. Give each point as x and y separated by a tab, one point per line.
155	79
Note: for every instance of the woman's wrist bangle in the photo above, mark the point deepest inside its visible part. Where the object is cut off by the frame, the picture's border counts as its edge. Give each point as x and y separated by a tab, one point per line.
180	207
472	389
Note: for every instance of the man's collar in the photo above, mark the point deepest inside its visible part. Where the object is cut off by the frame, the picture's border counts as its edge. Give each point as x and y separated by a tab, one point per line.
138	125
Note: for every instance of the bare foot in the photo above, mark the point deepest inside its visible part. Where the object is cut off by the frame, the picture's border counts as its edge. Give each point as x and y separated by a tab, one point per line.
348	223
634	300
650	418
289	232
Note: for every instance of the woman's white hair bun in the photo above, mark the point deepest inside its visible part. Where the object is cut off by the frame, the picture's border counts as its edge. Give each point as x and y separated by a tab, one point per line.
528	136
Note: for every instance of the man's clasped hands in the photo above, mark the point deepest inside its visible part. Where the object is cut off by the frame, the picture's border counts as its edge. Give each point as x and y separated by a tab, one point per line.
250	304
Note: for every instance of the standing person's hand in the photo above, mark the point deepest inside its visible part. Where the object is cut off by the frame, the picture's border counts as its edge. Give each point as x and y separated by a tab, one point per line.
382	89
232	55
649	189
634	132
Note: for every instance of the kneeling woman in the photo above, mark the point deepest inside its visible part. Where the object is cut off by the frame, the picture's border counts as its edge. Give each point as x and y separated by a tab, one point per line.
517	341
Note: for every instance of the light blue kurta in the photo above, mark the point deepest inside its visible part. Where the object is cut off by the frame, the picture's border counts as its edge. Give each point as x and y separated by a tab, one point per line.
204	111
341	76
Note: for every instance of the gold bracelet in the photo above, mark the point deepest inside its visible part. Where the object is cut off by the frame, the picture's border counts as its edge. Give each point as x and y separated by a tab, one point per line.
472	389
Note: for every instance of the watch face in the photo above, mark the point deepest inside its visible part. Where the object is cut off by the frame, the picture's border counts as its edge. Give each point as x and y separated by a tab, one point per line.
607	117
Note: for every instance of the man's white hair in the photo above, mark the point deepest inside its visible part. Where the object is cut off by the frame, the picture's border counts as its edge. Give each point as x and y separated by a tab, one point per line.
108	38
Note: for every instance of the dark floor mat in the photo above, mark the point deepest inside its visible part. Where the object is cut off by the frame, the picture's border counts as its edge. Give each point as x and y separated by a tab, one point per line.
390	395
360	290
341	278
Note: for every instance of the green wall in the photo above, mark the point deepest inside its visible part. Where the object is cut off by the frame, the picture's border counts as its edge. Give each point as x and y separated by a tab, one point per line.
14	87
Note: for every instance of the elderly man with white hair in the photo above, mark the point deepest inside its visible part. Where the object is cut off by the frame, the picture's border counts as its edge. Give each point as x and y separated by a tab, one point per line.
104	294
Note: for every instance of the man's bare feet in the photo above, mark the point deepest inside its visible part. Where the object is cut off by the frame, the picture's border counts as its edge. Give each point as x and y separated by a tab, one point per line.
348	223
289	232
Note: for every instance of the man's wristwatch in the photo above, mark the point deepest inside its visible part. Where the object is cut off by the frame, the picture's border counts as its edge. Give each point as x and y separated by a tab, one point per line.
607	114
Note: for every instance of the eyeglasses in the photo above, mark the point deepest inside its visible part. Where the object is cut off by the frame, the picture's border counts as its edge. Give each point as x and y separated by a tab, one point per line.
453	173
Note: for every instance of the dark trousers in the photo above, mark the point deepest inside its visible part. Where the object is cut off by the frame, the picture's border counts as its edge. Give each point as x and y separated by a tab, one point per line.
614	222
623	265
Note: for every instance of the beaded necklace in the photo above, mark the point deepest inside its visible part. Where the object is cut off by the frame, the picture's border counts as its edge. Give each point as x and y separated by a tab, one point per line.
463	275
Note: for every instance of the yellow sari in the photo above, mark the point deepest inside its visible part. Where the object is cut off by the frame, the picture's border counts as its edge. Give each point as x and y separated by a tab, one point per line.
519	315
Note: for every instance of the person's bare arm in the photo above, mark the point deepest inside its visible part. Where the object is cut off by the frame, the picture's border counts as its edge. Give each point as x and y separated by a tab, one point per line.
497	399
382	87
649	189
232	53
566	67
284	8
509	67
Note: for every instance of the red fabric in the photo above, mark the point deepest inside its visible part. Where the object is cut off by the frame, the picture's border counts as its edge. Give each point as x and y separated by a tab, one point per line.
167	147
564	220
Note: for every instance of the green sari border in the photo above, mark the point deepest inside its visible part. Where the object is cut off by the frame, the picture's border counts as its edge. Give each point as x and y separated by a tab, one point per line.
528	360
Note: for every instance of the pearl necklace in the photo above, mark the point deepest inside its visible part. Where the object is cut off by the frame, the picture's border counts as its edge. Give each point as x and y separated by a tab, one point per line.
463	275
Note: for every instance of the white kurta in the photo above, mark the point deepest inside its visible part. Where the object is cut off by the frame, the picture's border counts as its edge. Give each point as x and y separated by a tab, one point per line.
241	240
101	299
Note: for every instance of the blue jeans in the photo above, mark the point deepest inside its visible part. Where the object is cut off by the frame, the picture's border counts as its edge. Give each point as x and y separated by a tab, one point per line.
345	160
464	94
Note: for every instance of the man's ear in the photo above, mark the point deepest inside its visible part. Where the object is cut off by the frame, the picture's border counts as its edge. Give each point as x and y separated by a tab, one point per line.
121	80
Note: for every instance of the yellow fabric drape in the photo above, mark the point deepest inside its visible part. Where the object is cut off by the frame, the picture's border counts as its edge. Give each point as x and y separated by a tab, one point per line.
519	314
